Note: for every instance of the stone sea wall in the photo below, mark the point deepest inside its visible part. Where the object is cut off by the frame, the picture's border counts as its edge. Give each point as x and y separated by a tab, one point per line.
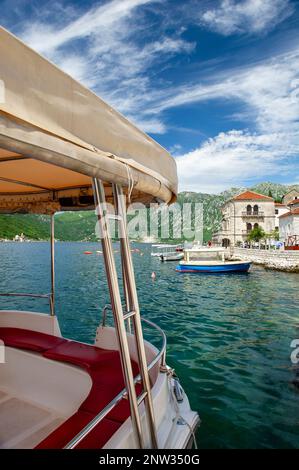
282	260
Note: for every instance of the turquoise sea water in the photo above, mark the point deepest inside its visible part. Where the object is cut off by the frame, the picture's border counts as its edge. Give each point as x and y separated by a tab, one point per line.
228	335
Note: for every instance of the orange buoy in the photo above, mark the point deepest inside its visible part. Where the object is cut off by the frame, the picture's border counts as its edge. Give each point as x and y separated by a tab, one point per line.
88	252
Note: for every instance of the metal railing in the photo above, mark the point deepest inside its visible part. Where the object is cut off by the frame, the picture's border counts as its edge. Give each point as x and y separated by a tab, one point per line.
49	297
161	355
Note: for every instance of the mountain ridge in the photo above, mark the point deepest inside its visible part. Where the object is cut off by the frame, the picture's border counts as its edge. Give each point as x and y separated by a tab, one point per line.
80	226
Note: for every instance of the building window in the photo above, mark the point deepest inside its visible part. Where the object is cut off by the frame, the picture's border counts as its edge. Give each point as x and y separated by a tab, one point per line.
255	225
249	209
255	209
276	211
248	227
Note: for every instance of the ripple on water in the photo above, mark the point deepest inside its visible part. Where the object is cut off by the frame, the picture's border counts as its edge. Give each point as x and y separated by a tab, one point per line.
228	336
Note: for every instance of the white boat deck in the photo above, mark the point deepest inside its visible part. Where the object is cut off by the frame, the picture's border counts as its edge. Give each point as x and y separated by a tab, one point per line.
24	424
205	262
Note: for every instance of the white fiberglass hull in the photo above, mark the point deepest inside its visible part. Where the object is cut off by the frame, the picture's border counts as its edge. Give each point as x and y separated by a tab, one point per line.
172	257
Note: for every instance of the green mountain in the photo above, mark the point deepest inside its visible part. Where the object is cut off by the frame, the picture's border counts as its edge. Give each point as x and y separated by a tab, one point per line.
79	226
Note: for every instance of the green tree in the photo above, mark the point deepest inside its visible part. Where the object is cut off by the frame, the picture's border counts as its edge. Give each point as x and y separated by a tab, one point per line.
270	193
256	234
274	234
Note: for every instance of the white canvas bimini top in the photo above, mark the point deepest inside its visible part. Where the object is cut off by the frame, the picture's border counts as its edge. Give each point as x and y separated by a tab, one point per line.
55	135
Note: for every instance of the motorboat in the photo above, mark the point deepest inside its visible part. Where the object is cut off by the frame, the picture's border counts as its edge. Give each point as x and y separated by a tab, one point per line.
210	260
63	149
167	252
176	256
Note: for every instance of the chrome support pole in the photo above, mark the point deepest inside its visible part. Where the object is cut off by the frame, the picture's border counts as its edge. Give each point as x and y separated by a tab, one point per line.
52	303
129	279
101	212
125	284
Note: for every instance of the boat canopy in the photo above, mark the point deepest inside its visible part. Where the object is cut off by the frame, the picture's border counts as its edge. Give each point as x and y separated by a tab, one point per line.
56	135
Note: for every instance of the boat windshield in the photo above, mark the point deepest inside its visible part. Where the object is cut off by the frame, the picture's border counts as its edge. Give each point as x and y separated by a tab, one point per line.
163	249
205	255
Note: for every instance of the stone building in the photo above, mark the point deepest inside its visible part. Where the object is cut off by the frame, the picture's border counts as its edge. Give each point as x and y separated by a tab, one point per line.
280	209
294	204
242	214
290	196
289	227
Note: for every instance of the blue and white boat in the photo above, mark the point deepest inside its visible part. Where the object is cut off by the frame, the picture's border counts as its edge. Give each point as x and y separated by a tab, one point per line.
210	260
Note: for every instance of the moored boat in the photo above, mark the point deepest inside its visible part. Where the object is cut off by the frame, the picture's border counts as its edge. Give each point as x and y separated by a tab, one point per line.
64	149
210	260
167	252
176	256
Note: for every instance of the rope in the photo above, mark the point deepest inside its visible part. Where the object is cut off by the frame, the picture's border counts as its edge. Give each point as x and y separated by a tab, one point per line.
178	416
131	182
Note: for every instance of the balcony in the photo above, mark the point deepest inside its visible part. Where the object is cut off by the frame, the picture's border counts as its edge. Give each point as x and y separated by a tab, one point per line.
253	214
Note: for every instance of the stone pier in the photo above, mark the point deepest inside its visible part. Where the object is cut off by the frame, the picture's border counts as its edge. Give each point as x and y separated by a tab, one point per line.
281	260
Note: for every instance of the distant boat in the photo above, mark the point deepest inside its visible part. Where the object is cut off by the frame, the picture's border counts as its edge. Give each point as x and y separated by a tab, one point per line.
167	252
176	256
210	260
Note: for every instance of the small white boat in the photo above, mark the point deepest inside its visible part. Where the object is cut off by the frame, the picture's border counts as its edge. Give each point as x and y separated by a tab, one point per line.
55	392
210	260
167	252
176	256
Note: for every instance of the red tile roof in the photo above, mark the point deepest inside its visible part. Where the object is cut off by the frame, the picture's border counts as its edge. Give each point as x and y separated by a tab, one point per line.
249	195
278	204
294	201
293	212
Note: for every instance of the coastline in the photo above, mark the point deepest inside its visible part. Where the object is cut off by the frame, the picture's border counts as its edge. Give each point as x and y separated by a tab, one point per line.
287	261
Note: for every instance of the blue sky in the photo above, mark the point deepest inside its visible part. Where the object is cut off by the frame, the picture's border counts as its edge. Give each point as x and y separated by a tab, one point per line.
216	82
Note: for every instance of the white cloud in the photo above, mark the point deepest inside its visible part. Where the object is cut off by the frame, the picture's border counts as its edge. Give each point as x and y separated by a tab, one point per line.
175	149
118	66
234	157
152	126
47	39
270	92
247	16
114	56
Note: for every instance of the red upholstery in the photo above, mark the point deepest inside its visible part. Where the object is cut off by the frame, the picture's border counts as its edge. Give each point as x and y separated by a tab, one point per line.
100	396
70	428
104	368
82	355
30	340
